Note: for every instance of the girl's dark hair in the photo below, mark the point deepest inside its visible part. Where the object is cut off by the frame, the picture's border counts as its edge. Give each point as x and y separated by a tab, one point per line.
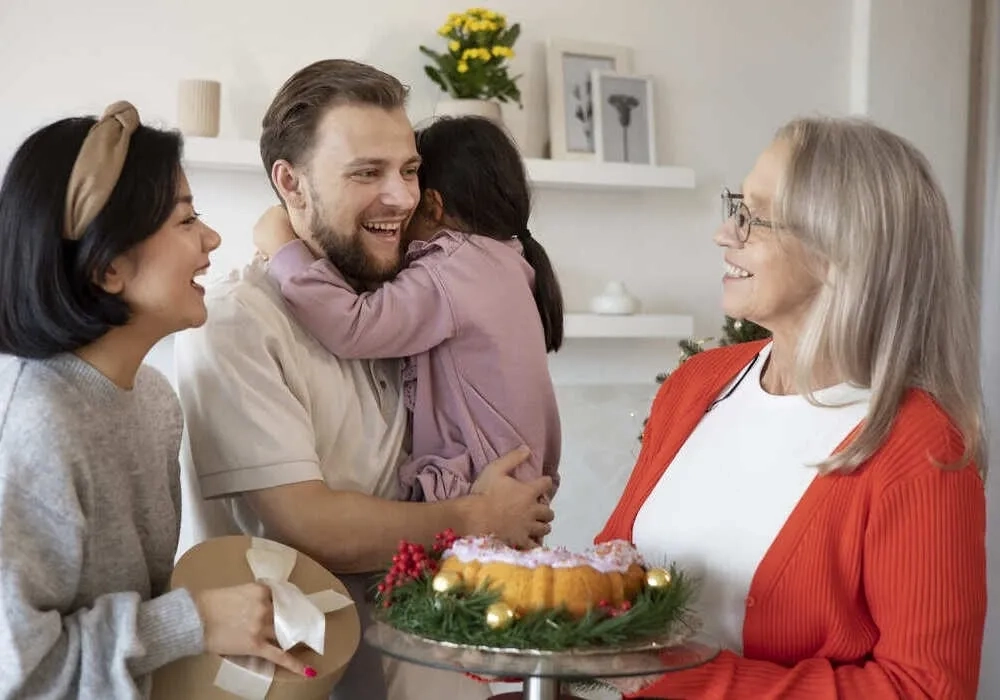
49	301
476	168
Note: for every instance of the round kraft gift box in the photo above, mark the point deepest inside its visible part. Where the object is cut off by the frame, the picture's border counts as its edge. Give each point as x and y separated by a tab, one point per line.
221	562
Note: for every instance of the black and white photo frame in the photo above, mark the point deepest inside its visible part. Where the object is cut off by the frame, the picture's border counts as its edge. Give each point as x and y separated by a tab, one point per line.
624	118
570	66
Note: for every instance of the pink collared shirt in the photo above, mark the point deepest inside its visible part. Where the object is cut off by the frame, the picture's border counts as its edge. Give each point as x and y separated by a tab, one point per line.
463	313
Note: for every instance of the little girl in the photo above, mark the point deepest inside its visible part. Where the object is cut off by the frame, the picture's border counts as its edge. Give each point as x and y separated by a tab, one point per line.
475	310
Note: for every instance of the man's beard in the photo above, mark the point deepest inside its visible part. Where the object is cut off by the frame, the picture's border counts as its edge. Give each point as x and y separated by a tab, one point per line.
348	254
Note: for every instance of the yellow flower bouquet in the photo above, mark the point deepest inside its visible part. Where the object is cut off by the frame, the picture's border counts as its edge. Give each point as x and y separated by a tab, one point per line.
480	42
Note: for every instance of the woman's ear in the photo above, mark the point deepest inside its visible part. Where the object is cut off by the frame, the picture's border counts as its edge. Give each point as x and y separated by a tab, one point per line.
113	279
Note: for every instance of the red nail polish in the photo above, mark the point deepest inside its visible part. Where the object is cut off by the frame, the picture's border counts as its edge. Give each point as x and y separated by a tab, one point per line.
310	672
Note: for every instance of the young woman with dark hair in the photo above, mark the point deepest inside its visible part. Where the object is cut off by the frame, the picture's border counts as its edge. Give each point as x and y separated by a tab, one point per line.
99	249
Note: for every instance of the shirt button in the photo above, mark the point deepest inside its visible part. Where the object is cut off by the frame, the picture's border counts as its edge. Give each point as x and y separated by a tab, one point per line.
382	383
750	601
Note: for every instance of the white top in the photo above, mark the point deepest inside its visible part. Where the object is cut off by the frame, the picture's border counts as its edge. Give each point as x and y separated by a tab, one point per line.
733	484
266	405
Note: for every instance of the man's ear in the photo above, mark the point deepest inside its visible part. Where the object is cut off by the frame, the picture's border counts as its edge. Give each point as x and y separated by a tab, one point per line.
290	185
113	279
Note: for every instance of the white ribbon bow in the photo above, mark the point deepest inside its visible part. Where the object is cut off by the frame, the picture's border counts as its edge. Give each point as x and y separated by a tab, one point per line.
298	618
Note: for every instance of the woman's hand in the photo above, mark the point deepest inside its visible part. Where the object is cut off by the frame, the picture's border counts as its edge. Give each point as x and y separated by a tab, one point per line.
239	621
273	230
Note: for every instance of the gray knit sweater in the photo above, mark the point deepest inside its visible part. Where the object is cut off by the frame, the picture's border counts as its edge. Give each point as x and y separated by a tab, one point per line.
89	518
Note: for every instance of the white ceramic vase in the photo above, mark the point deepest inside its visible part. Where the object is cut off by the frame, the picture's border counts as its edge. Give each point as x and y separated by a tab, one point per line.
615	300
459	108
198	105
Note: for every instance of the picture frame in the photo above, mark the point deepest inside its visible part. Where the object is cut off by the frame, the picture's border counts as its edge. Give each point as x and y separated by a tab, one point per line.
624	118
570	65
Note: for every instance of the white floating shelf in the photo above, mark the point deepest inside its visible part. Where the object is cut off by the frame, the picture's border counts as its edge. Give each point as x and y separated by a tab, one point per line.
232	155
222	154
585	175
661	326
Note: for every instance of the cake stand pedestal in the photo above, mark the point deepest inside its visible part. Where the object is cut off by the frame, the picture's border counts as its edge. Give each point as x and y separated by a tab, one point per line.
543	672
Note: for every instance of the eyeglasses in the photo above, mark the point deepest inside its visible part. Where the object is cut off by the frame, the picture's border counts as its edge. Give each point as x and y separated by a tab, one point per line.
733	207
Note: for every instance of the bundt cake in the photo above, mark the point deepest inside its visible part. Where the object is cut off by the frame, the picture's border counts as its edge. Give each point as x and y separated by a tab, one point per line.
547	578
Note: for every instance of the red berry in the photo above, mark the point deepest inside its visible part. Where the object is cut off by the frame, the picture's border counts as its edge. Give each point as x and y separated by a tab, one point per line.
626	606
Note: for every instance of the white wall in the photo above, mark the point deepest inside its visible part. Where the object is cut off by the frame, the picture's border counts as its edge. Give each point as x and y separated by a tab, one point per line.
985	221
918	83
727	74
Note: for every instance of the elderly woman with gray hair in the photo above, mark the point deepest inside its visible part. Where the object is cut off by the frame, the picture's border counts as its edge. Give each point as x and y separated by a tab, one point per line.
824	483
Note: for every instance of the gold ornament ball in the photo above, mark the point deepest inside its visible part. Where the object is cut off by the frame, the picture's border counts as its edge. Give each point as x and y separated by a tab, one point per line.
657	578
499	615
446	581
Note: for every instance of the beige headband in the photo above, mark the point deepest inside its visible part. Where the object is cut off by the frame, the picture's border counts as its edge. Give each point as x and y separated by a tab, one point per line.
98	166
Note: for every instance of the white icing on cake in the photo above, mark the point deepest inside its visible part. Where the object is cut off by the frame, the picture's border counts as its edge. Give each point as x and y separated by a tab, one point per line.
616	555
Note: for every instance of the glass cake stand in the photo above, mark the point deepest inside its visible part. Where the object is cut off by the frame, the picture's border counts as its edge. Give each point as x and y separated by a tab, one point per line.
543	672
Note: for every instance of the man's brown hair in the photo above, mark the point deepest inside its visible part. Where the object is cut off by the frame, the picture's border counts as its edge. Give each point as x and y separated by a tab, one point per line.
289	126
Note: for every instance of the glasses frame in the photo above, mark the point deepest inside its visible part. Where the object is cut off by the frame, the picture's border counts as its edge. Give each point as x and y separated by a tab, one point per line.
733	205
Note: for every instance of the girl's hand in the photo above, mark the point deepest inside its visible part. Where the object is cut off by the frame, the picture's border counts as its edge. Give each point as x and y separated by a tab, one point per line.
273	230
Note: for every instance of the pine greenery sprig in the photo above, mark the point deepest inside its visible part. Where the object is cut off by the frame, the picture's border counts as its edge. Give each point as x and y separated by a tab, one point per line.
460	617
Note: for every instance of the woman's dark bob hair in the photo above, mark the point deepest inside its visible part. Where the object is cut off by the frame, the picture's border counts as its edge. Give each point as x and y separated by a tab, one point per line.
49	301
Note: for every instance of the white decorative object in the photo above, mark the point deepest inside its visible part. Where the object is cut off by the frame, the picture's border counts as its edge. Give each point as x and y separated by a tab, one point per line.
489	109
198	106
614	300
569	65
624	125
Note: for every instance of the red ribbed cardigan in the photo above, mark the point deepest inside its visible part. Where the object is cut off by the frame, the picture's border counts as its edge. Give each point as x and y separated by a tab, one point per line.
875	587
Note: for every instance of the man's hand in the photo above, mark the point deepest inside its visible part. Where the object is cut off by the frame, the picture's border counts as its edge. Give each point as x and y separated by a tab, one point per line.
273	230
512	510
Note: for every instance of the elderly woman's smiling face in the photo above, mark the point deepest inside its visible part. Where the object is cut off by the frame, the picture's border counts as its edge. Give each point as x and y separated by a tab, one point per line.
769	278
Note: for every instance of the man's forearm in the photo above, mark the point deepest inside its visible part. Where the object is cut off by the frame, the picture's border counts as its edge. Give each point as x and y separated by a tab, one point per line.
350	532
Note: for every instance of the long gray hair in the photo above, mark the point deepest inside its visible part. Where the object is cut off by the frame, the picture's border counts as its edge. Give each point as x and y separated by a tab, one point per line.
896	309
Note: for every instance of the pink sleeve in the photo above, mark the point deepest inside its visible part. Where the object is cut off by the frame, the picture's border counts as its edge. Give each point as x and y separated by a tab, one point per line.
405	316
444	478
438	478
